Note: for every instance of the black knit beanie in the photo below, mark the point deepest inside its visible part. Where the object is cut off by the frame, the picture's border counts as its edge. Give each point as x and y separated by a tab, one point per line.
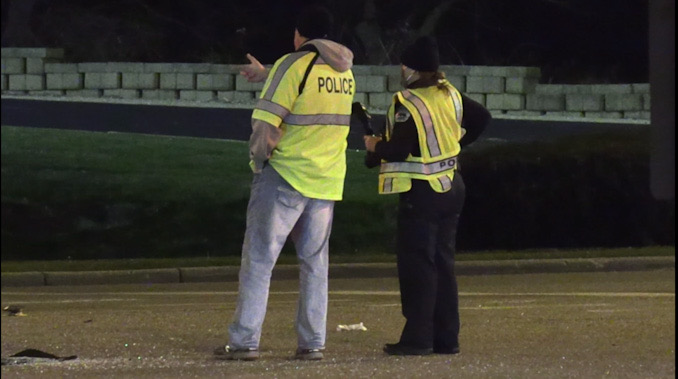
422	55
315	22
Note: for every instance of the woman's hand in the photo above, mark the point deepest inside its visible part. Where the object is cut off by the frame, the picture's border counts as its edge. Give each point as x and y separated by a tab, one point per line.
371	142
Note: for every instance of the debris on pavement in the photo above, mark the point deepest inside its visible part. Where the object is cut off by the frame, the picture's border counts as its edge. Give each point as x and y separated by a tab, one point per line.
359	326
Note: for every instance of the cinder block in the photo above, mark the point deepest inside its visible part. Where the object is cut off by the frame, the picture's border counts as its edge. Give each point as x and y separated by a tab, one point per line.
485	84
191	95
177	81
549	89
642	115
611	88
640	88
603	115
65	81
386	70
361	70
89	93
477	97
241	84
370	83
224	69
17	82
361	97
522	85
523	71
223	82
379	100
125	67
93	67
49	93
122	93
458	81
505	102
133	80
122	67
568	115
102	80
13	66
525	114
157	94
5	82
487	71
35	82
32	52
538	102
185	81
582	89
646	102
235	96
190	68
61	68
584	102
623	102
37	65
394	84
455	70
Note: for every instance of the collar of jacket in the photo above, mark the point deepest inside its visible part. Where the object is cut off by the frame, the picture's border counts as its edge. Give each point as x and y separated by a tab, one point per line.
424	82
308	47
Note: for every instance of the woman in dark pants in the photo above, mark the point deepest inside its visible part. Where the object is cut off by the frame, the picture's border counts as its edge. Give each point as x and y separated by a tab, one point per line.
427	125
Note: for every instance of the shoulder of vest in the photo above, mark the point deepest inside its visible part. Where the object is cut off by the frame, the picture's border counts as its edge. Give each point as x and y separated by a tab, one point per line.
293	59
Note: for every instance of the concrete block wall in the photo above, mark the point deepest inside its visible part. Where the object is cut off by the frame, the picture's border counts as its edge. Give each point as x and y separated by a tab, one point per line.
505	91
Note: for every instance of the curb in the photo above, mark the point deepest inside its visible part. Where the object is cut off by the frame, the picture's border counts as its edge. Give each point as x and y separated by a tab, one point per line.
336	271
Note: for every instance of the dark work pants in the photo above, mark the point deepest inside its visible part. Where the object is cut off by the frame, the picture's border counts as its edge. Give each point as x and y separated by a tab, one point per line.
427	228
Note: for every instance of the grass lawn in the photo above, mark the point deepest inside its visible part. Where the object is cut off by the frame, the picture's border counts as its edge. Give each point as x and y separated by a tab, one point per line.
90	200
82	195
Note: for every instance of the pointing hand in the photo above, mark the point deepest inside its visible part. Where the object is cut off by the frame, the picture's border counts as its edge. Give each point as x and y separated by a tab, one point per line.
254	71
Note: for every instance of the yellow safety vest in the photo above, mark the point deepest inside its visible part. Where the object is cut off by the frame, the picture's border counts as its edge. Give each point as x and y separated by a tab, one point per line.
437	114
311	155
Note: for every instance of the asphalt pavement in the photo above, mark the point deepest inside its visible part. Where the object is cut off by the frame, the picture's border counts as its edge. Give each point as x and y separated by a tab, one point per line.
337	271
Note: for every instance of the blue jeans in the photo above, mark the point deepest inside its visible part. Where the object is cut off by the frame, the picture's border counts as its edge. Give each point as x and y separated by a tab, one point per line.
276	211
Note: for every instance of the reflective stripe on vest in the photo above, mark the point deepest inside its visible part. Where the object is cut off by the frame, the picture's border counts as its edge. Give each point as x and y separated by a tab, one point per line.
280	72
410	167
272	107
458	107
431	139
317	119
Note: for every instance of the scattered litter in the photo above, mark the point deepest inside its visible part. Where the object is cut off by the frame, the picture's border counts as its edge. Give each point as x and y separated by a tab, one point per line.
351	327
13	310
33	356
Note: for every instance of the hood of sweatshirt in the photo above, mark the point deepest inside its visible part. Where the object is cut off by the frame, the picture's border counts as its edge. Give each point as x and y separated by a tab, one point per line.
338	56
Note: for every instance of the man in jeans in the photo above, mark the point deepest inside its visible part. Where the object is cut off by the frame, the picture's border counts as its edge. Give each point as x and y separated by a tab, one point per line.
298	156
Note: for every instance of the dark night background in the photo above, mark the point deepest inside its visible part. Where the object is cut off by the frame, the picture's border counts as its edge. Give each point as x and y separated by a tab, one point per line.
572	41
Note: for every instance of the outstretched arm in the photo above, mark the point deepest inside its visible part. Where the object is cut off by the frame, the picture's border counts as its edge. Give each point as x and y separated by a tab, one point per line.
254	71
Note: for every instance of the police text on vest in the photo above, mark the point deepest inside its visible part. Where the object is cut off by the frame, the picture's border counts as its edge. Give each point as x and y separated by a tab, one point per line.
335	85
